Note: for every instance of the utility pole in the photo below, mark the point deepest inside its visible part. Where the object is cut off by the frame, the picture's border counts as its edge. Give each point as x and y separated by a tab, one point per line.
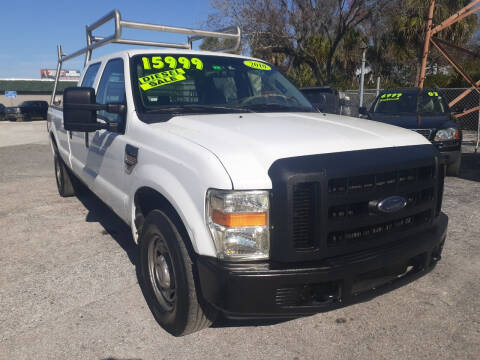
362	74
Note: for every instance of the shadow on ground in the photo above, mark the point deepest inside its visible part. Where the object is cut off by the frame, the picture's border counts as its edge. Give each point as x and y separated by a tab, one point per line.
99	212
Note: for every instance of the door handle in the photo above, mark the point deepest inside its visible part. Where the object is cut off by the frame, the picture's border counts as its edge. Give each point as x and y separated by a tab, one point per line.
131	157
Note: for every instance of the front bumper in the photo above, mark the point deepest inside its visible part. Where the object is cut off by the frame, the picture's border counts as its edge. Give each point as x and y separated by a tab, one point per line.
451	156
16	117
266	290
450	149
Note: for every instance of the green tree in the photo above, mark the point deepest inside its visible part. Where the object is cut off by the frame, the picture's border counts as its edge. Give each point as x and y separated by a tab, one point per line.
295	32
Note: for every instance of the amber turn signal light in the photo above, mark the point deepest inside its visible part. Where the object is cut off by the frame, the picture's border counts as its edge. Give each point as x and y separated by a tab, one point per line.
239	219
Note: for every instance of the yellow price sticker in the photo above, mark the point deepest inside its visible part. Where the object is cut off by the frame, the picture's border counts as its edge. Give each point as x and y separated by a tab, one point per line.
171	62
162	78
257	65
390	97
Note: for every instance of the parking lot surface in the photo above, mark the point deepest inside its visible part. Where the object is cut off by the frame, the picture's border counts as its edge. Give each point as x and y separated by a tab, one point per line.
69	289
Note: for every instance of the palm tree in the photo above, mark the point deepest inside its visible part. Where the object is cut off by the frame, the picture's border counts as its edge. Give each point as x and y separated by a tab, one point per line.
408	19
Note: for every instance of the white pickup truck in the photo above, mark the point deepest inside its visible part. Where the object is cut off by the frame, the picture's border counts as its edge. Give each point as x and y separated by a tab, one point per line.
242	198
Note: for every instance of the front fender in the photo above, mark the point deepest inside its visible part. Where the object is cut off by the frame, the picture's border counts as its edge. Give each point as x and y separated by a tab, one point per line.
186	195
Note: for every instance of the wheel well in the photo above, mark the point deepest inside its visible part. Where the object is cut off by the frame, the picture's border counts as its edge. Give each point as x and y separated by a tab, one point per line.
147	199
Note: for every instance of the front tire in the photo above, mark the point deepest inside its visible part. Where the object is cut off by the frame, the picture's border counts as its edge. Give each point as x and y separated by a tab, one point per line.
167	276
62	176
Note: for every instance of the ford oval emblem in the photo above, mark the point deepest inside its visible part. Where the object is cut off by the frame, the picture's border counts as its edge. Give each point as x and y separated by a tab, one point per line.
392	204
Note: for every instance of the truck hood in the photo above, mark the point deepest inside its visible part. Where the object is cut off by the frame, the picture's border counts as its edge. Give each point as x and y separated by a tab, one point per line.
248	144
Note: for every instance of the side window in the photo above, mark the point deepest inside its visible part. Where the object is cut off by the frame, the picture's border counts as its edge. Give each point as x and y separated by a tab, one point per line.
112	89
89	77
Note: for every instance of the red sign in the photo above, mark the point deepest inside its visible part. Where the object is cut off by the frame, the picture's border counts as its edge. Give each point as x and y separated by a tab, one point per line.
72	75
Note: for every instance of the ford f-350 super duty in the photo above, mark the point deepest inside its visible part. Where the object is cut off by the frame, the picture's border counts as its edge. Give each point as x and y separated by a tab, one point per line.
242	198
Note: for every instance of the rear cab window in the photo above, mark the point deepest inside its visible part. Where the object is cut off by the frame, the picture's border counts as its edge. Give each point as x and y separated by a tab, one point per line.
88	79
90	75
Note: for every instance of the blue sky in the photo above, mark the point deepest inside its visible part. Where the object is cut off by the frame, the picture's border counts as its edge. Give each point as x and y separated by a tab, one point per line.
30	30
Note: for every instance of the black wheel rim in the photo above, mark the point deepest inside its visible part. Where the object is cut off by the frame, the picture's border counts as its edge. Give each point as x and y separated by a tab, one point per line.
162	276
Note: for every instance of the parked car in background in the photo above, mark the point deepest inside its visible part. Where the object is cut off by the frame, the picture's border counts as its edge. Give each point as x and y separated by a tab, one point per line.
27	111
330	100
2	112
425	112
325	99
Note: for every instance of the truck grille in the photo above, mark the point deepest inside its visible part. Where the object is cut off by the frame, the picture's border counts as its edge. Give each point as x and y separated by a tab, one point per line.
343	211
303	215
322	213
374	231
425	132
356	219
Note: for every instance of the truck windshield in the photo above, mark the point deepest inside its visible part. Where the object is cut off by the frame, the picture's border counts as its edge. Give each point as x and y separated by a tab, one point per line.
429	103
190	83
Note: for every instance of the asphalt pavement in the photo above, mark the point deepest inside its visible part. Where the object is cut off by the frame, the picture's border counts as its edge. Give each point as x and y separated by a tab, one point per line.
69	289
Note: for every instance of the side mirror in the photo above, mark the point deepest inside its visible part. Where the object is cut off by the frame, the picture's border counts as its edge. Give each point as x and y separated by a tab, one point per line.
362	110
80	110
79	113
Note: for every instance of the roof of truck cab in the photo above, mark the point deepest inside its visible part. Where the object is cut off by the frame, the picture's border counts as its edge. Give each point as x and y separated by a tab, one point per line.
187	51
134	52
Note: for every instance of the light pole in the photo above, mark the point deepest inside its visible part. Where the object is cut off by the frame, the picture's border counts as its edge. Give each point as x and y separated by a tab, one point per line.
364	47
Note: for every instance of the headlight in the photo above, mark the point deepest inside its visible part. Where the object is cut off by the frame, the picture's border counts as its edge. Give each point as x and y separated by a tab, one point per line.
238	221
447	134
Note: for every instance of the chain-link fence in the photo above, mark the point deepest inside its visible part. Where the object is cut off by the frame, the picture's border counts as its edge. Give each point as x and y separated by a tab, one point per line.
467	122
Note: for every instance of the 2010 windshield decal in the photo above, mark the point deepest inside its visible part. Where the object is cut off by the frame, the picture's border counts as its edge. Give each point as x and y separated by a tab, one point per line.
162	78
257	65
390	97
159	62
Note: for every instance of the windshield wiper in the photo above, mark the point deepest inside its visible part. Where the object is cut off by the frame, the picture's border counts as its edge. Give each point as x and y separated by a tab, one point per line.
189	108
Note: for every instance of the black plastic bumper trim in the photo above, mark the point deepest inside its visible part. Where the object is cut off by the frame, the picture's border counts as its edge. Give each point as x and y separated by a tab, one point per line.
263	289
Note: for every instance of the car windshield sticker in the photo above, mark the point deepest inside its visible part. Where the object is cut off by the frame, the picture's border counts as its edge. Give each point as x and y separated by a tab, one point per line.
390	97
257	65
433	93
171	62
163	78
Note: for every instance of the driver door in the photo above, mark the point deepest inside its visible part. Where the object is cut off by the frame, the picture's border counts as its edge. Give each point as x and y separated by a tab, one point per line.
106	149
